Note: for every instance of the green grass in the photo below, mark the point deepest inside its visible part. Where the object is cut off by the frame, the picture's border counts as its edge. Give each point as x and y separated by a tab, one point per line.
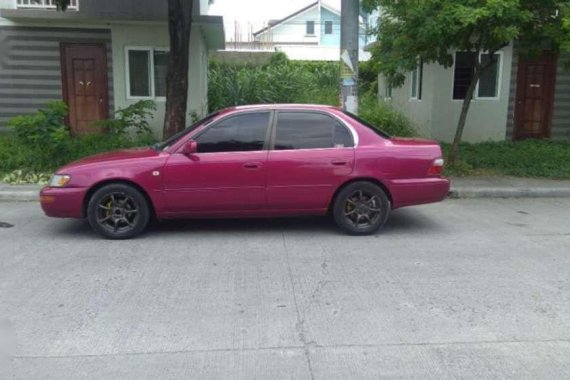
529	158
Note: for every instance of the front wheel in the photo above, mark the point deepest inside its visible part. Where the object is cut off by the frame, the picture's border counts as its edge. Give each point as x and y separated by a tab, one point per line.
361	208
118	211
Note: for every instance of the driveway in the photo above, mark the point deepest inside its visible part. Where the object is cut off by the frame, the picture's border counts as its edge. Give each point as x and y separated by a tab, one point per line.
465	288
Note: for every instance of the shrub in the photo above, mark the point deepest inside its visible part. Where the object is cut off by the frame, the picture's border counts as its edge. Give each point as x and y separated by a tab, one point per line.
45	127
385	117
132	118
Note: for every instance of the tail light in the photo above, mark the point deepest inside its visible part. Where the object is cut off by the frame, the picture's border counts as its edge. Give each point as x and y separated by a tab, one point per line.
436	167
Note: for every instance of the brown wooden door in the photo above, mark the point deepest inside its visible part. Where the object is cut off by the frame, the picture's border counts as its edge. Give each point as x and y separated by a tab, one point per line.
84	76
535	97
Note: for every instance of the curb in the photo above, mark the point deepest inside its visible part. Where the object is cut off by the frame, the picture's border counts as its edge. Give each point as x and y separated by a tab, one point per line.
538	192
20	196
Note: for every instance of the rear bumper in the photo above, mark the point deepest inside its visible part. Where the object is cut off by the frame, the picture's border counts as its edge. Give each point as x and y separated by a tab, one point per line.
410	192
62	202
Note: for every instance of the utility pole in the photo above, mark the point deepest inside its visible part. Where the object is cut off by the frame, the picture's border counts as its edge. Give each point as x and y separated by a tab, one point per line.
349	30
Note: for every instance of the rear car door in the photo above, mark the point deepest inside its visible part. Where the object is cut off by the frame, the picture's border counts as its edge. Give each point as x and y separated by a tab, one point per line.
228	173
312	154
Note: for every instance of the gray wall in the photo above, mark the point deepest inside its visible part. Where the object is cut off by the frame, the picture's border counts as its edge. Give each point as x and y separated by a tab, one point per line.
30	69
561	117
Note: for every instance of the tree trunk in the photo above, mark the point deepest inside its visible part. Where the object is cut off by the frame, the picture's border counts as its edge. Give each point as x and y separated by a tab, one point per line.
463	117
179	27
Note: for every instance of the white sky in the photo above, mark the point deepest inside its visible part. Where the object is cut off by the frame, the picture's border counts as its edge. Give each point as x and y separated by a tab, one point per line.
258	12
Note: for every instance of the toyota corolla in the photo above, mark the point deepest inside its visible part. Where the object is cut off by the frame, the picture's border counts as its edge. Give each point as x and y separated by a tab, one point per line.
254	161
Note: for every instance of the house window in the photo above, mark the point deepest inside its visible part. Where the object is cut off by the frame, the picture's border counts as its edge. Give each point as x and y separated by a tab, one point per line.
488	86
388	91
416	81
146	73
310	28
45	4
328	27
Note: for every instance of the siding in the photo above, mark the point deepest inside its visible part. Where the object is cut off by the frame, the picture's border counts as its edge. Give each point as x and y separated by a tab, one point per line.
30	69
561	117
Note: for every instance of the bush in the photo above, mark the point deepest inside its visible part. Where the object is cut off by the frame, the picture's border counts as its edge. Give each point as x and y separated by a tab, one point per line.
385	117
45	127
132	118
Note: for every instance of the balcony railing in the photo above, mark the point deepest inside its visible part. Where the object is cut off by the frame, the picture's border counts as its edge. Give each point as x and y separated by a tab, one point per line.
44	4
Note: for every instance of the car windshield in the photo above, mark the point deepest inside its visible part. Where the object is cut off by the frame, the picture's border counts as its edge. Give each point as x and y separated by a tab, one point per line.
172	140
375	129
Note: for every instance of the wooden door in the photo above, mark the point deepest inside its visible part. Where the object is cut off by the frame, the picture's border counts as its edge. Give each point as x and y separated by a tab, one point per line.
84	77
535	97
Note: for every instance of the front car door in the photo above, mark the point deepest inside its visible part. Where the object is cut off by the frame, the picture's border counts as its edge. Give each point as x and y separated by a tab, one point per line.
227	174
313	153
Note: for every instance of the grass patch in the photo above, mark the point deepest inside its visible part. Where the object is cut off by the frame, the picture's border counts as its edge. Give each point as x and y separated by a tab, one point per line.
529	158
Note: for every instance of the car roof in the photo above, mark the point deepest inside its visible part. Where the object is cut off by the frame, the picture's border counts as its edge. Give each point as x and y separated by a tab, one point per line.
254	107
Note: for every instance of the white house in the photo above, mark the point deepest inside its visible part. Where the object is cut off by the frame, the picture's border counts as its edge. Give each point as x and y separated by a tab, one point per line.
518	98
98	56
311	33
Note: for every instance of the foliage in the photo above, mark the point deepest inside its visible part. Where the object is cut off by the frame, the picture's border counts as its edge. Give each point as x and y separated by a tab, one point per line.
385	117
45	127
20	177
279	81
132	118
528	158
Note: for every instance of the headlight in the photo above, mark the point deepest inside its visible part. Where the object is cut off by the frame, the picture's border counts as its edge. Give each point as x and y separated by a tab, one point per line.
59	180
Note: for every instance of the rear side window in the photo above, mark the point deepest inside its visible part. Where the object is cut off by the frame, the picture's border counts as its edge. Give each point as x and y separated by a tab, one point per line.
241	133
307	130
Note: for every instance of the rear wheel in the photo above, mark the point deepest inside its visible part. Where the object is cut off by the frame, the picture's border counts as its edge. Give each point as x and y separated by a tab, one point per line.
361	208
118	211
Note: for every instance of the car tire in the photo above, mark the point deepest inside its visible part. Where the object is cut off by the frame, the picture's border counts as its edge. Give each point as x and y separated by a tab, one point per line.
361	208
118	211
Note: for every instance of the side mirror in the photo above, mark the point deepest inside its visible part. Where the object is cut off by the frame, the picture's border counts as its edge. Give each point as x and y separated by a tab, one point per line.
190	148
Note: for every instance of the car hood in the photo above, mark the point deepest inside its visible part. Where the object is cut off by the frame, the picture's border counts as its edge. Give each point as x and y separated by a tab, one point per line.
115	156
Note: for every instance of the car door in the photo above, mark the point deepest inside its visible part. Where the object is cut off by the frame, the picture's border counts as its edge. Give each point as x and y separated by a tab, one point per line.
228	171
312	154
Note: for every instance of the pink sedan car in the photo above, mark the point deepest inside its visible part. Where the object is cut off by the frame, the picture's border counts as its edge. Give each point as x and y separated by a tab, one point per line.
254	161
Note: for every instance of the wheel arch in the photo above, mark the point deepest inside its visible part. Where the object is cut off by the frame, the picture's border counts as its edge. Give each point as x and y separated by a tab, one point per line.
114	181
361	179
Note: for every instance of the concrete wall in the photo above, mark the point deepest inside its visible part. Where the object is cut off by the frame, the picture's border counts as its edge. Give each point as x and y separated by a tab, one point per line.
124	36
437	114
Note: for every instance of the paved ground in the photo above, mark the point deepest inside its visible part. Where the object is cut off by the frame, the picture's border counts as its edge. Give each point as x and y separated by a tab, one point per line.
466	288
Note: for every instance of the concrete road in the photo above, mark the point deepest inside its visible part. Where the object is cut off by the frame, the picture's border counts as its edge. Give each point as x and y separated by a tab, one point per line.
471	289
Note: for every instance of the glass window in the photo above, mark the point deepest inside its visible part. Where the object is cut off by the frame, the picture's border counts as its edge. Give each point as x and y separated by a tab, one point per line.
416	81
306	130
160	70
328	27
241	133
139	73
310	28
489	82
488	86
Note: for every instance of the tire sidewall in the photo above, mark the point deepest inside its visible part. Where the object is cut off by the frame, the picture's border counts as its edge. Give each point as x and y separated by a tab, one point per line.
340	201
142	204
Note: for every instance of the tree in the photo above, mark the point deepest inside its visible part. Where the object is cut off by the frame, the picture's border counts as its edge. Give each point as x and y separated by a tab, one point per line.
428	31
179	28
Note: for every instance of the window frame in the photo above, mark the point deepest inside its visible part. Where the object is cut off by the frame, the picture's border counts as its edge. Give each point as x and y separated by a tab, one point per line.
335	118
499	77
266	142
418	87
307	28
151	50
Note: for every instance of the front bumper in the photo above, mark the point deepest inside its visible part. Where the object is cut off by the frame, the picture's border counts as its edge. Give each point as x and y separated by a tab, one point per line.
62	202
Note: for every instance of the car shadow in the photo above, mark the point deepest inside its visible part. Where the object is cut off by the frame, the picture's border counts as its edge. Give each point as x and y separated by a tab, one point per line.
403	221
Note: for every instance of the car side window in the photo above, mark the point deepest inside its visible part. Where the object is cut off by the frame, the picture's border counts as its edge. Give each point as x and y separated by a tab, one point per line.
310	130
240	133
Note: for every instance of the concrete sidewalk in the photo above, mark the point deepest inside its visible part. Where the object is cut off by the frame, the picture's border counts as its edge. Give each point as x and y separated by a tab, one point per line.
461	188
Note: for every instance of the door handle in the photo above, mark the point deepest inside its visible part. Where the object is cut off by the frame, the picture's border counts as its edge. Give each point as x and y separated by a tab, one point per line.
252	165
339	163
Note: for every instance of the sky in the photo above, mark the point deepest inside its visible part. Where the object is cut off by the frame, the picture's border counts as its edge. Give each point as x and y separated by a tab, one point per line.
257	12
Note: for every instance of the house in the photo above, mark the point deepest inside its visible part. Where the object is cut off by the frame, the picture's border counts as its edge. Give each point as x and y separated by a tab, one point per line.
517	98
98	56
311	33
